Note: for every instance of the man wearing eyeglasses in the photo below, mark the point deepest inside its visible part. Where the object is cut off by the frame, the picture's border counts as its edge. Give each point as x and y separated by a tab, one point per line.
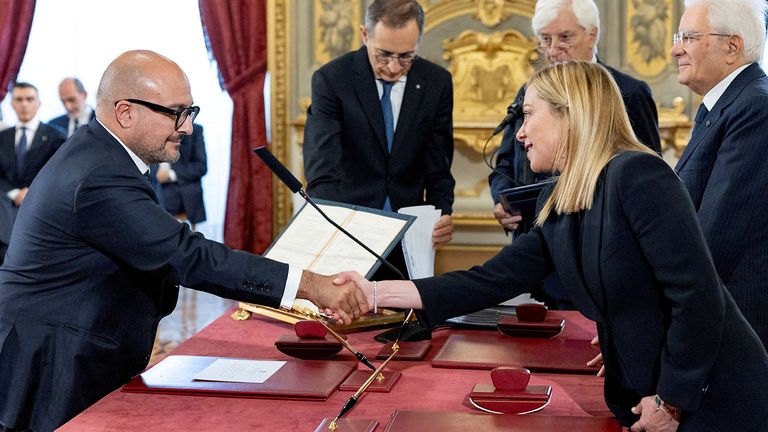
94	262
379	132
566	30
725	165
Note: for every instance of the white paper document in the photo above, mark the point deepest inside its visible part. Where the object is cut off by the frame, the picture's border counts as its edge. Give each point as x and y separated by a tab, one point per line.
240	370
417	242
310	242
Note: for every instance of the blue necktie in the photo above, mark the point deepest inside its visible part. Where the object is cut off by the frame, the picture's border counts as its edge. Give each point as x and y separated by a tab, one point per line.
21	151
700	115
386	108
389	124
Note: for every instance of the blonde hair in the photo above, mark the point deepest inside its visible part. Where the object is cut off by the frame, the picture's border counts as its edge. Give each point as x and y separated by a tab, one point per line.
595	129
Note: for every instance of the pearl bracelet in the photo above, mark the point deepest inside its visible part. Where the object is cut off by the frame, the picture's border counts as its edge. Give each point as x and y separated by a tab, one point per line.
375	297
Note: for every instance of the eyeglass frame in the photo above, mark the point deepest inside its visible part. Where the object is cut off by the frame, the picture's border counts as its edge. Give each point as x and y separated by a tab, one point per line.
561	45
686	37
186	112
383	58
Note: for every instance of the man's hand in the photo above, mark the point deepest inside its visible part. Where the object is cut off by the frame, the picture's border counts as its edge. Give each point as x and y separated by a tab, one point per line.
598	360
653	419
20	196
344	302
442	232
162	176
508	221
361	282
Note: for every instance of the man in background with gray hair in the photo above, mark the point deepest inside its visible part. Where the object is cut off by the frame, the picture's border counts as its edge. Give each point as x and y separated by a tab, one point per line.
566	30
725	165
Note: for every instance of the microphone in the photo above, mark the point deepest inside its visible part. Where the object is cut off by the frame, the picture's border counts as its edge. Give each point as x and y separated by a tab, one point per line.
278	169
514	111
294	185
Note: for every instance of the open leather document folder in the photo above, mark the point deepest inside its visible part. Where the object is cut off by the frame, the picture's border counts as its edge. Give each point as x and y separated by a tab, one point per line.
409	421
310	242
487	351
296	379
522	200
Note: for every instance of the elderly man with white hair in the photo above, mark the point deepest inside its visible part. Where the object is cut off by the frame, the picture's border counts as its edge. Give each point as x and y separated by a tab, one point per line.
725	165
566	30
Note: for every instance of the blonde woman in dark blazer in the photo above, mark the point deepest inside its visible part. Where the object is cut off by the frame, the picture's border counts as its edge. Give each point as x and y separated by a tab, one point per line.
620	229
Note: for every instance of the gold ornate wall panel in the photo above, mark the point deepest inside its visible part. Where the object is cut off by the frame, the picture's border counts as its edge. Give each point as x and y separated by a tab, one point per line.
336	28
488	69
278	64
649	26
489	12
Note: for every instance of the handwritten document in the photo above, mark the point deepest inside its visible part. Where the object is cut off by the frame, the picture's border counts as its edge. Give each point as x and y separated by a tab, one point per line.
239	370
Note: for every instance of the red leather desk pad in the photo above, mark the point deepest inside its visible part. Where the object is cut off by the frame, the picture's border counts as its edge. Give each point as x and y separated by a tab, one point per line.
296	379
410	421
487	351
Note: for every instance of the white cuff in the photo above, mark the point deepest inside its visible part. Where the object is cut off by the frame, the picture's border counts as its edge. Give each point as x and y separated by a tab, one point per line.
13	193
291	286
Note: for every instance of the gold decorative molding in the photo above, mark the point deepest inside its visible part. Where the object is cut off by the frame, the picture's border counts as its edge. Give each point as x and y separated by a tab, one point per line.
474	191
487	70
491	12
444	11
335	27
649	35
279	62
674	126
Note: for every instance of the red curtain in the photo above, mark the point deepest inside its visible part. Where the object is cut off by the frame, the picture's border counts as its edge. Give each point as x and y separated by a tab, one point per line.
236	34
15	23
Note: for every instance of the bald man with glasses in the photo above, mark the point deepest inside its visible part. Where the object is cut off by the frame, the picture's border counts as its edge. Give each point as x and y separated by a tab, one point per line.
94	262
379	132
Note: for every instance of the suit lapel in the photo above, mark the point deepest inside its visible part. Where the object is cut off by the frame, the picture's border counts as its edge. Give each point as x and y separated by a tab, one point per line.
751	73
414	86
365	88
8	152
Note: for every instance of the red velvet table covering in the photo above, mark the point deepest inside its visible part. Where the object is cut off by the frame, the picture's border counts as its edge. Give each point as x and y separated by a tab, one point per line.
421	387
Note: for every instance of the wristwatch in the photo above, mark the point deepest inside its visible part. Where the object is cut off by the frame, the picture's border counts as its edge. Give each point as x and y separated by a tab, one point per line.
672	410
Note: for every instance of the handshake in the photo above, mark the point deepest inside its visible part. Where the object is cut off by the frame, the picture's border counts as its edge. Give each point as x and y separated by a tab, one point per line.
348	295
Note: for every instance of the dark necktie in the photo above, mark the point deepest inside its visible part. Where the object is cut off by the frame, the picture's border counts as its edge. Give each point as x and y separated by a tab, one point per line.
146	175
389	124
700	115
386	108
74	127
21	151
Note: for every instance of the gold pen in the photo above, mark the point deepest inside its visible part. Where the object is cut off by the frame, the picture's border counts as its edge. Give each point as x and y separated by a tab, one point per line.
353	400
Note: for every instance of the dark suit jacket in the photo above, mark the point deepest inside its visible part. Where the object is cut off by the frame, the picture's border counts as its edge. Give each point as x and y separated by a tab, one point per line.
512	165
638	265
92	266
725	169
186	194
345	148
62	121
46	141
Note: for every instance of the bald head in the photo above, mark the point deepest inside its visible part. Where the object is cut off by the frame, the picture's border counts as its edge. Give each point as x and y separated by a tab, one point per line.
155	80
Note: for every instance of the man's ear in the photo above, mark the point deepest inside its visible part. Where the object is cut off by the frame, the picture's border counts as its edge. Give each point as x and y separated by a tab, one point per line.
124	114
363	34
735	48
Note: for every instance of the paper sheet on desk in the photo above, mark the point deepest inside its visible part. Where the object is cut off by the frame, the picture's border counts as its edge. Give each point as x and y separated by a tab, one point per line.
238	370
417	242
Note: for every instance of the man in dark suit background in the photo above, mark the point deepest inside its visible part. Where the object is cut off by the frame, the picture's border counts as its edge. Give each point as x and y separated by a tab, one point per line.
73	96
180	187
566	31
725	165
379	132
94	262
27	147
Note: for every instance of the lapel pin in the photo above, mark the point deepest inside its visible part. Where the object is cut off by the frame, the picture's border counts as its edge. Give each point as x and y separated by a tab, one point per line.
708	123
418	86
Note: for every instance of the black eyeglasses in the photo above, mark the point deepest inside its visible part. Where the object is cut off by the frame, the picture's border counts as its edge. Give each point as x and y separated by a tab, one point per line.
180	114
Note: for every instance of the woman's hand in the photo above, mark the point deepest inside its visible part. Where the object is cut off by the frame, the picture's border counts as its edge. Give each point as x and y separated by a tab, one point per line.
652	417
598	360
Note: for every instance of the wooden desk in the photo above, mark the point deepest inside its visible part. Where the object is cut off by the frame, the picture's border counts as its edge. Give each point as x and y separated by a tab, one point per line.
421	387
